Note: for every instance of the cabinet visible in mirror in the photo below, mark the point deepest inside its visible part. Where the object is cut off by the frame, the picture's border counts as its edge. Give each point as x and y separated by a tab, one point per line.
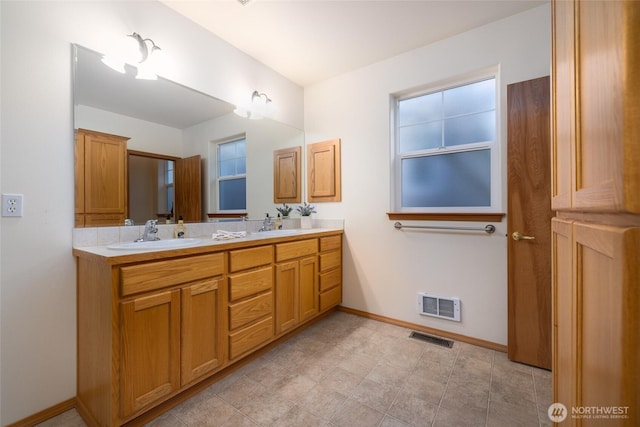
167	120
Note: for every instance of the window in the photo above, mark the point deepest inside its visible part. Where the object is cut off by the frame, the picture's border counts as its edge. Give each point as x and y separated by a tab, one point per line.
446	149
166	186
231	175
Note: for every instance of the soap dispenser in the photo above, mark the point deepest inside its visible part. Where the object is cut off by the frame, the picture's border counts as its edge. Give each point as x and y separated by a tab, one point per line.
279	222
180	231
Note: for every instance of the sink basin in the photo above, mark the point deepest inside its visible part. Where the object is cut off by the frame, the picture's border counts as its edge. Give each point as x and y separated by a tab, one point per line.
277	233
154	244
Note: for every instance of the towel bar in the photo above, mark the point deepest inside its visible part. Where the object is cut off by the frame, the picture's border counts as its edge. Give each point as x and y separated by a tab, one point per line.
489	229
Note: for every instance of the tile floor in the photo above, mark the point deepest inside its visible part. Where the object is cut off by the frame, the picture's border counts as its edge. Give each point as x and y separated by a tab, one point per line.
350	371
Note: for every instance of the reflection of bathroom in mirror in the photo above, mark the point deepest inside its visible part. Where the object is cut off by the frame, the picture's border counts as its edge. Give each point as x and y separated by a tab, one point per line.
167	120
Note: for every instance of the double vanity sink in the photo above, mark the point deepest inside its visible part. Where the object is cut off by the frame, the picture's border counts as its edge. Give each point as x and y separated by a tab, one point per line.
196	307
186	242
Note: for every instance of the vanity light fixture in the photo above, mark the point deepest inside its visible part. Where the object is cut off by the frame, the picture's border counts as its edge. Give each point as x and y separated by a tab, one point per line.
261	106
141	60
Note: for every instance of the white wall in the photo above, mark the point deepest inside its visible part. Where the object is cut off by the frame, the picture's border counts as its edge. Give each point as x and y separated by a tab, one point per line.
37	278
262	138
143	135
384	268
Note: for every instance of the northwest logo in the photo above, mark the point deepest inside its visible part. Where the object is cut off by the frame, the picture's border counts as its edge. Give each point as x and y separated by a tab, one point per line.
557	412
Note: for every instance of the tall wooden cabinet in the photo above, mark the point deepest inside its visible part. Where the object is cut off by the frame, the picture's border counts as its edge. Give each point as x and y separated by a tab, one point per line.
596	196
100	179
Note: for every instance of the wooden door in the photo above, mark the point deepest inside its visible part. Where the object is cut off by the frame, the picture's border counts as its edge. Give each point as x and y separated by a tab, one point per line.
287	276
150	366
188	189
529	231
202	329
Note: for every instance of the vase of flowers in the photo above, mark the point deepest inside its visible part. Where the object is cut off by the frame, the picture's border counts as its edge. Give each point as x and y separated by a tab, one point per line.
305	210
285	210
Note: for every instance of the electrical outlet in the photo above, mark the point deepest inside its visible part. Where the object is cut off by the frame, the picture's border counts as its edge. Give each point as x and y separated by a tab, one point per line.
12	205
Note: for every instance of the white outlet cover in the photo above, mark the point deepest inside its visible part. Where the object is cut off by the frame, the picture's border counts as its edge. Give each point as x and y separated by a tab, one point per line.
12	204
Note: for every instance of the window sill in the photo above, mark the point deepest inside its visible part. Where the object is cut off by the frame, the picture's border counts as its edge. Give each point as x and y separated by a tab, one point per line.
423	216
227	215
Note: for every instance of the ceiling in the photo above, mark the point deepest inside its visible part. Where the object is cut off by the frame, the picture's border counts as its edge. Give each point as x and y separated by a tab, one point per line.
308	41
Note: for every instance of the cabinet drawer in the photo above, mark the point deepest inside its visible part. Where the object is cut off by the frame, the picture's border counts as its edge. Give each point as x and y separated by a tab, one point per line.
285	251
330	279
247	311
248	338
248	258
330	243
157	275
330	260
245	284
330	298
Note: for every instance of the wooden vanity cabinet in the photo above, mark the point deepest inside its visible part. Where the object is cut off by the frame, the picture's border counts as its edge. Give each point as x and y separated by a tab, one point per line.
330	272
152	326
162	322
296	283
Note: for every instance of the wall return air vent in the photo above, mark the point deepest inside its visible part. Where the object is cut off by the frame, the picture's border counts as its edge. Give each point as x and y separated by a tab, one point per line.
437	306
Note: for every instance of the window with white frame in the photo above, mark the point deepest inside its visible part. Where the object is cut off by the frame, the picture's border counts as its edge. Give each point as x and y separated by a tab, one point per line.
231	179
446	149
166	184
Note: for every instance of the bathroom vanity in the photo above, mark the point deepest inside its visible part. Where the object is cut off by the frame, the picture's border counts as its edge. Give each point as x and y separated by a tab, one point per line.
153	325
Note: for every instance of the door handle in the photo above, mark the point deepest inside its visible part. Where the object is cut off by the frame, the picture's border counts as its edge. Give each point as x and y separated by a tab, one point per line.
519	236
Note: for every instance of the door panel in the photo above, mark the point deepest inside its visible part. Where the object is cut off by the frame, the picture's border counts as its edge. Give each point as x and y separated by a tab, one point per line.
188	189
529	210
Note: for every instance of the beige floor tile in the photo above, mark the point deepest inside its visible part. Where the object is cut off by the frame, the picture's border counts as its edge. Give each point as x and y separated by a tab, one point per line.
412	410
204	409
423	387
509	415
322	401
341	380
470	395
298	417
374	395
468	417
387	374
351	371
266	408
239	420
355	414
389	421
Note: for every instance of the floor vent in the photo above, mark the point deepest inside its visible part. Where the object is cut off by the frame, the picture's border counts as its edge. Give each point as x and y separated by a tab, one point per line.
433	340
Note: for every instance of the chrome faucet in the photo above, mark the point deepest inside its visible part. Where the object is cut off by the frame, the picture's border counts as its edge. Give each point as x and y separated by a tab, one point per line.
267	224
150	231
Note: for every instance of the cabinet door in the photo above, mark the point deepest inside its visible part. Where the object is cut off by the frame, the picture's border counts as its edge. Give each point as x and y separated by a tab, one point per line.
564	309
286	175
563	102
607	150
287	287
308	288
608	300
202	337
324	171
150	364
105	190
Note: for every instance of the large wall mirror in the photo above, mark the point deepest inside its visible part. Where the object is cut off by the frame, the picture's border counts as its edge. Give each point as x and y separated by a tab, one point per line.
164	123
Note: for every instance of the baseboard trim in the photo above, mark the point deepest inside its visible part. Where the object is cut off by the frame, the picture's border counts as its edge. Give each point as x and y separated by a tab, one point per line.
45	414
444	334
